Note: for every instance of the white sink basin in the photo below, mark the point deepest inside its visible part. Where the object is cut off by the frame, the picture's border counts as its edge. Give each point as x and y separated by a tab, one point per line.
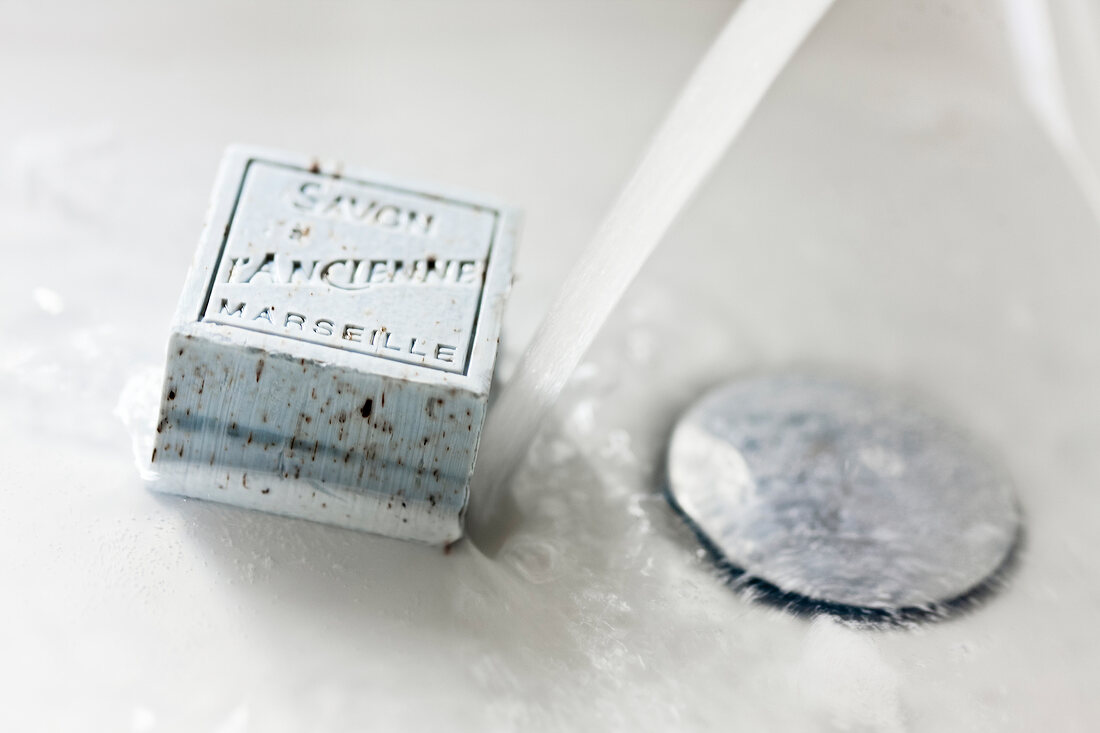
892	210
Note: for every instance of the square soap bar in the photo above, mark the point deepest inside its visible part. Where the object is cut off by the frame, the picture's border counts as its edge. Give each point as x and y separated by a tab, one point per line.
332	353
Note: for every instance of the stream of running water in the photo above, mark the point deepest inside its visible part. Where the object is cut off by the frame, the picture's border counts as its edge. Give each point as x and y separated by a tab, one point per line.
722	93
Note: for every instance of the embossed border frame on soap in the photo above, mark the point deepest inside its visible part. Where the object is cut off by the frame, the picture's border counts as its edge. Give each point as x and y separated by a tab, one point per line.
497	276
357	422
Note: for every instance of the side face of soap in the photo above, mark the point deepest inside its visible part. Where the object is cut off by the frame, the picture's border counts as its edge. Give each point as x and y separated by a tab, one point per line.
333	350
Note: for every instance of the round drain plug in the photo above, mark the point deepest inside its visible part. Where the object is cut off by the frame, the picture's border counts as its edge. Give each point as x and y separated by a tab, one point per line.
823	496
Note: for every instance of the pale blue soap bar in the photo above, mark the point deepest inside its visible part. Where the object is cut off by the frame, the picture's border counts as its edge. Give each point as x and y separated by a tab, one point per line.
332	353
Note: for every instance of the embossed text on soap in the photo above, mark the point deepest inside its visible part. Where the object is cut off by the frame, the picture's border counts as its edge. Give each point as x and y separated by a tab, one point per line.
353	265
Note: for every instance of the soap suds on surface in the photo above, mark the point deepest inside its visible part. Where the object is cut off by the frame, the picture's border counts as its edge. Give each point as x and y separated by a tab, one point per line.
49	300
843	675
137	409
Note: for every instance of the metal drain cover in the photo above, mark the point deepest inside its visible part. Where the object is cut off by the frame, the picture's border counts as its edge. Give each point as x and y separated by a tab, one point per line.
839	496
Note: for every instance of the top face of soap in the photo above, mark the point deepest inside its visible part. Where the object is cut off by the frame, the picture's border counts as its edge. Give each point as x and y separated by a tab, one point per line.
346	265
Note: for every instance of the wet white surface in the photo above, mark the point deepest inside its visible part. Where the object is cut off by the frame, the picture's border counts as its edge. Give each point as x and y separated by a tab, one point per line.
892	210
